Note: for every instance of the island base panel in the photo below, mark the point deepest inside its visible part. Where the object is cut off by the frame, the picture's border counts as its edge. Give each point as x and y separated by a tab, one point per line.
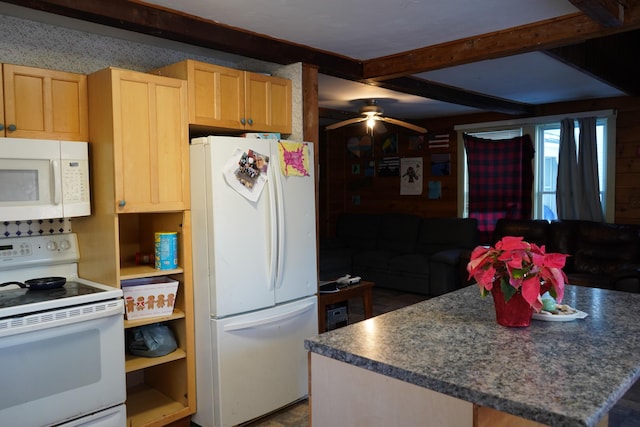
346	395
488	417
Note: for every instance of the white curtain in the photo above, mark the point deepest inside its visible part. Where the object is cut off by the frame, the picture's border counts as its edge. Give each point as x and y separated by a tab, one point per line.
588	166
577	188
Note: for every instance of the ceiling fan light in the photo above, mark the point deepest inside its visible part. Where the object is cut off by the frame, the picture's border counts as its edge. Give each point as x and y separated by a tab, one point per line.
371	122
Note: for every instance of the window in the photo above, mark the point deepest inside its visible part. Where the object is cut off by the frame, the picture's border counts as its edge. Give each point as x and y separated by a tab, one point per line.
545	132
547	150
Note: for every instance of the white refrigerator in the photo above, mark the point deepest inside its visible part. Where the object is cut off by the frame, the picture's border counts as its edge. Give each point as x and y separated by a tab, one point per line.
255	276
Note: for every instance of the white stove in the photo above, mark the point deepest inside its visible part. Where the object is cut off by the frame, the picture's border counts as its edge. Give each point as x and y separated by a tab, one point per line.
32	257
59	345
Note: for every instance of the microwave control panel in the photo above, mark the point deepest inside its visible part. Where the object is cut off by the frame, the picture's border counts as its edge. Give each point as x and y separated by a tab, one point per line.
75	181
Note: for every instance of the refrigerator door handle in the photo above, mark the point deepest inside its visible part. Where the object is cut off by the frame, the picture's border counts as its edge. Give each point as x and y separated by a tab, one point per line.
273	220
279	196
250	324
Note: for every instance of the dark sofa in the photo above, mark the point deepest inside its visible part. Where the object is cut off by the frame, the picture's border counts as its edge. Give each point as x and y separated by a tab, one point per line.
399	251
603	255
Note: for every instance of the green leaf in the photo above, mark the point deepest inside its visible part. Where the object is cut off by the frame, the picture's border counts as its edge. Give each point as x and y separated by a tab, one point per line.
518	273
507	290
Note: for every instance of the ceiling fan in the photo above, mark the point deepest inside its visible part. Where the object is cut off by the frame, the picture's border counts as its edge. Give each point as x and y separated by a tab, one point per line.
372	112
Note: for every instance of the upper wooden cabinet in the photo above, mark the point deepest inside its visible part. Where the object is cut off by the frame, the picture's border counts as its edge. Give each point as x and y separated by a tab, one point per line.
44	104
2	122
226	98
139	129
267	103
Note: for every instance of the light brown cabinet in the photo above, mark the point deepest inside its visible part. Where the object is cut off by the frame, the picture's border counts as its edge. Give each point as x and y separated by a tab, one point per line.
43	104
230	99
139	140
142	116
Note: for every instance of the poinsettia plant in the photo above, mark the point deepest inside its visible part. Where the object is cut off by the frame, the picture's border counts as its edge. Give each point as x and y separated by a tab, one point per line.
518	266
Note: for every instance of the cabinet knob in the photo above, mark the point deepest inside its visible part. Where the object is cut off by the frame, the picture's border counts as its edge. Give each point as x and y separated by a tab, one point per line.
1	126
250	122
121	203
12	128
243	121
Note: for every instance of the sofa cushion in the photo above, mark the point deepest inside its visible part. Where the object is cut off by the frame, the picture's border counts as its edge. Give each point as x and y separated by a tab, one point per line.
563	238
410	263
358	230
440	234
606	248
335	263
533	231
399	233
374	258
449	257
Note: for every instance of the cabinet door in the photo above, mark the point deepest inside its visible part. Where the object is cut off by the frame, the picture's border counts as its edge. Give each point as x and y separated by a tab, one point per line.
151	149
216	96
268	103
45	104
2	121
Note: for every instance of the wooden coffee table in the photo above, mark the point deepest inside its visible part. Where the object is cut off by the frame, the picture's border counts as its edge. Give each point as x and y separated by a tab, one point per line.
362	290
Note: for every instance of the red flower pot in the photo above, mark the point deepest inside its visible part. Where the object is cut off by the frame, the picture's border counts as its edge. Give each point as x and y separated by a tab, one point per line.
515	313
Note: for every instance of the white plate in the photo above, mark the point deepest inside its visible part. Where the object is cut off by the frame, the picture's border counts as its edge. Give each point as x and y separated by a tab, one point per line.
549	317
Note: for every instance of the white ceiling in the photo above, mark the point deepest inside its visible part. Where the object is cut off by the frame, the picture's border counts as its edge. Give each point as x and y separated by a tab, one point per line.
366	29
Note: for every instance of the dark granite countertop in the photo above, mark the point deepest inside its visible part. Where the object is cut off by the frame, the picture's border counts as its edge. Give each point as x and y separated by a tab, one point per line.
556	373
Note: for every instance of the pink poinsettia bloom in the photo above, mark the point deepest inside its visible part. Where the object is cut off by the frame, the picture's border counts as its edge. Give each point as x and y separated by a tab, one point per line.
529	269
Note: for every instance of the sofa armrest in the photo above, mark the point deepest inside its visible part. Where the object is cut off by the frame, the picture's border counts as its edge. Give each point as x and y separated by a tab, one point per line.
465	257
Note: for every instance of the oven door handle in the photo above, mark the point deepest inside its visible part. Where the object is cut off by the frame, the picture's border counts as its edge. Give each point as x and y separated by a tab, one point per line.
54	318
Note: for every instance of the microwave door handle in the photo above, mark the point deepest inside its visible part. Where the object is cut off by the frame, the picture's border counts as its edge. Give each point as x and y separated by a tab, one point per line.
57	185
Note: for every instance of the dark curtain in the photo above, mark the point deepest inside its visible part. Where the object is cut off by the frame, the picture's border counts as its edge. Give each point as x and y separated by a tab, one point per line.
577	187
500	180
568	184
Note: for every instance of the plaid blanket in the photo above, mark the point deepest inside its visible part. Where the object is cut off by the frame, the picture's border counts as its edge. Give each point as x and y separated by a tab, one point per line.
500	180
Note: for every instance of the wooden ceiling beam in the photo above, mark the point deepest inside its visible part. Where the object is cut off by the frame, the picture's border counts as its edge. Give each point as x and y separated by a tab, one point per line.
608	13
453	95
548	34
338	115
607	59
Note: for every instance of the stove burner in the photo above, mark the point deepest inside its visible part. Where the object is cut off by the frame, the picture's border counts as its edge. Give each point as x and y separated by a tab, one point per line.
22	296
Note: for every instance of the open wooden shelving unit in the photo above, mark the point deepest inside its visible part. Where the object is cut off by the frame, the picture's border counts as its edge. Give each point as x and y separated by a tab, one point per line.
140	185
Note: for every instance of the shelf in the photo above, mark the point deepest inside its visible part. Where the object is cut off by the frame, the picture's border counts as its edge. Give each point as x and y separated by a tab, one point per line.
177	314
136	363
147	406
141	271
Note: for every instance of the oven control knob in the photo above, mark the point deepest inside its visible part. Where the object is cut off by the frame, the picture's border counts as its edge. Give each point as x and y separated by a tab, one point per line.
52	245
65	245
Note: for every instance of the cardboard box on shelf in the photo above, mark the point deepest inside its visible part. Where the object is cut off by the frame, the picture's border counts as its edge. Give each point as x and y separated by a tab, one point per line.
149	297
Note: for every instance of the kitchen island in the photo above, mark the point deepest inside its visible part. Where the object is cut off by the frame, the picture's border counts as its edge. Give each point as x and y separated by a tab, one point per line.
446	362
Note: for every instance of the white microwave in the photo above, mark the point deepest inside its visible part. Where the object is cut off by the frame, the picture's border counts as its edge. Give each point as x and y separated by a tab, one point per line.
41	178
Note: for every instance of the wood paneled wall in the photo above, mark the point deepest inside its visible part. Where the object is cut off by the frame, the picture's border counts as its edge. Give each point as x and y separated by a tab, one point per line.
346	186
353	183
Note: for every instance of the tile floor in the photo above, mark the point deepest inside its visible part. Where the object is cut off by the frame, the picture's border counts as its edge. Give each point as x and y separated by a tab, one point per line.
626	413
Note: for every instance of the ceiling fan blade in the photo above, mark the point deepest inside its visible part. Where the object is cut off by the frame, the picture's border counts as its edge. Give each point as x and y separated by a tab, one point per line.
380	127
346	123
397	122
